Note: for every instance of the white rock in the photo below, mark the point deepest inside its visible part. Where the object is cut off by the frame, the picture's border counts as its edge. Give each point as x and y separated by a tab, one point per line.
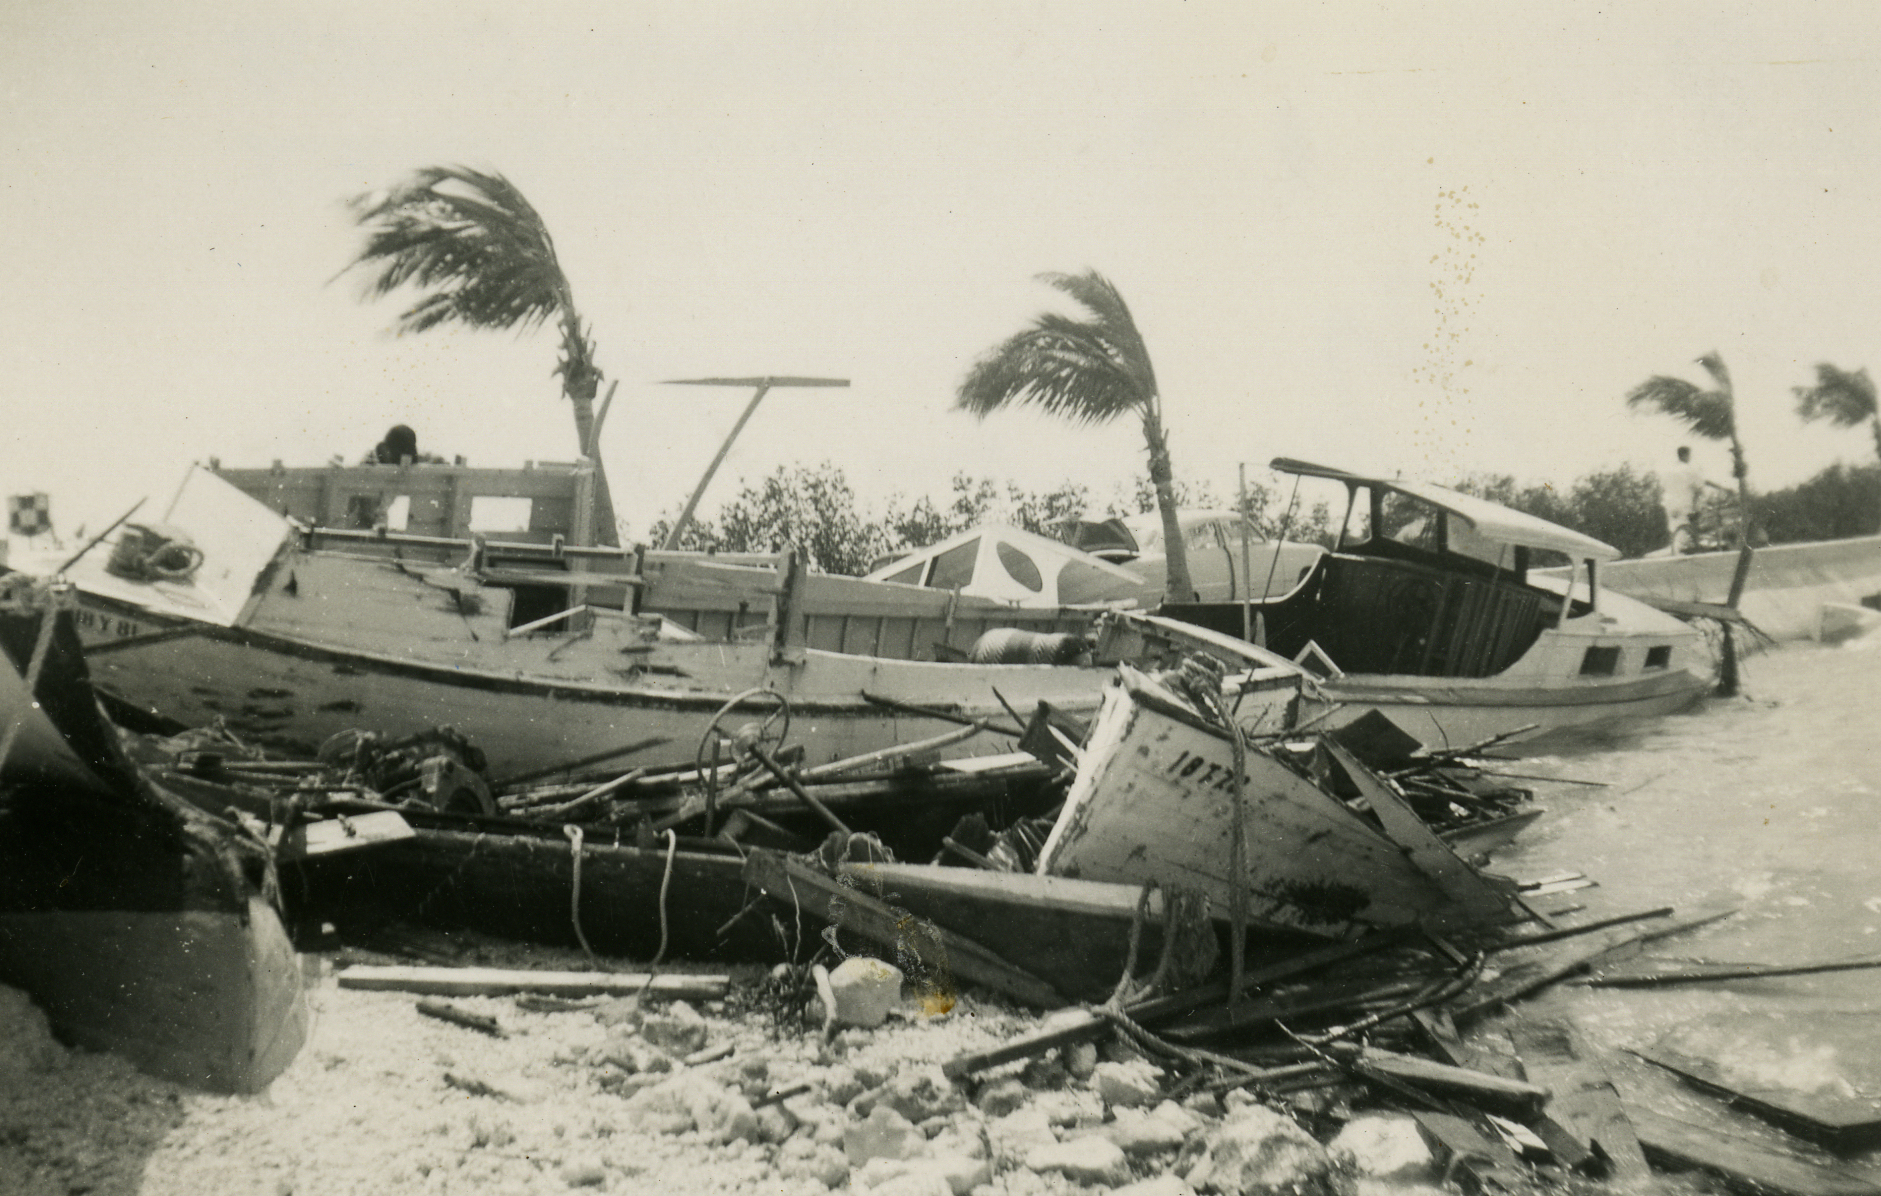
958	1176
1386	1147
863	991
1128	1085
1164	1128
1017	1134
1257	1150
886	1134
1088	1160
821	1163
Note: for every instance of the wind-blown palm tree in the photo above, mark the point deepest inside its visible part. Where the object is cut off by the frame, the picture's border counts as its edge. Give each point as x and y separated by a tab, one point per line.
1842	398
1089	371
481	257
1711	414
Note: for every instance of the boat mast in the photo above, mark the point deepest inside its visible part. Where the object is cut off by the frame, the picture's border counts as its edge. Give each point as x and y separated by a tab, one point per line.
763	386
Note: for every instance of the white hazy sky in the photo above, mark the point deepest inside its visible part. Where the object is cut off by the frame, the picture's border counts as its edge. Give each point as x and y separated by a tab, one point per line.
1428	239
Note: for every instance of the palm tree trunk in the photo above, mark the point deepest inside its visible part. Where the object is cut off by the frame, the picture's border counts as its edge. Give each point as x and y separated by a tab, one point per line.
1177	586
580	382
1742	473
1874	425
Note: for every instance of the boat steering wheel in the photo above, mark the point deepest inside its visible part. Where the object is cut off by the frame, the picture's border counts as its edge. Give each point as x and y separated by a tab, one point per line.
768	733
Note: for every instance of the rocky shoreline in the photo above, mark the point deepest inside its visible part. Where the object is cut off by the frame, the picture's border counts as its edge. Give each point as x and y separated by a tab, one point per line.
747	1094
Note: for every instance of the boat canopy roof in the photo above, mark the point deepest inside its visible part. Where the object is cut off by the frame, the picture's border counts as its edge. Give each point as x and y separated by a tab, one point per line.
1490	520
997	560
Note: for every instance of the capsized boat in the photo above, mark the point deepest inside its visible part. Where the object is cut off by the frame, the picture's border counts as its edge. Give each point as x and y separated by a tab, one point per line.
1155	797
543	652
1790	591
1427	609
140	924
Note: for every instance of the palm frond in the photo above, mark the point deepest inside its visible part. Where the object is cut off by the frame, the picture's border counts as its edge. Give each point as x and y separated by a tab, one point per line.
467	238
1844	399
1708	413
1087	371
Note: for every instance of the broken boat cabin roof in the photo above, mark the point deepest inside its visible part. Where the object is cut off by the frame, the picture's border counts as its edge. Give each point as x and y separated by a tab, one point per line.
1490	520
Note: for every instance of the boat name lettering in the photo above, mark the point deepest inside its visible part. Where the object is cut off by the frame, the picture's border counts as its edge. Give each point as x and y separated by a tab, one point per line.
1186	766
90	620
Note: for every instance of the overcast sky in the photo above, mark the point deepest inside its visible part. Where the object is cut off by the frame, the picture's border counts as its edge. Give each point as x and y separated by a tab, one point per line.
1428	239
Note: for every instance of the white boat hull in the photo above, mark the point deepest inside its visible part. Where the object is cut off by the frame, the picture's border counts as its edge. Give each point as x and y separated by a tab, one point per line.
1153	802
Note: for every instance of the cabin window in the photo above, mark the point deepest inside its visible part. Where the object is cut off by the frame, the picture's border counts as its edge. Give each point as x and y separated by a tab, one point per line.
372	510
953	569
1600	662
1659	657
1019	566
500	513
910	576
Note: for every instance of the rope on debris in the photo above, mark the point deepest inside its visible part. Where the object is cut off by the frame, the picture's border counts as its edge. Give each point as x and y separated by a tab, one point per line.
574	895
666	879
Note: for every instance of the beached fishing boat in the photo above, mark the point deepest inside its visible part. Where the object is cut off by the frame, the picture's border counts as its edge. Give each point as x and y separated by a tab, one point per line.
140	924
1428	609
543	652
1155	800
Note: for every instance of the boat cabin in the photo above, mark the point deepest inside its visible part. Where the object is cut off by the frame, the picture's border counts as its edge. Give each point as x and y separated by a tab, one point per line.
530	525
1423	581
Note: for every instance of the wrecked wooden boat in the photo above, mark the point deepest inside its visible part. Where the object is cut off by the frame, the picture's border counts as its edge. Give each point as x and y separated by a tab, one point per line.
138	923
1156	799
289	638
1427	609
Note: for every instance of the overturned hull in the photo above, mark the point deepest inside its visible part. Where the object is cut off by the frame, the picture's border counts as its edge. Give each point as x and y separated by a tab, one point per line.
1153	802
141	925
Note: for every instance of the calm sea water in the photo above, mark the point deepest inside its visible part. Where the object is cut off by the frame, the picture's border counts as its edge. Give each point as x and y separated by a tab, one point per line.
1768	803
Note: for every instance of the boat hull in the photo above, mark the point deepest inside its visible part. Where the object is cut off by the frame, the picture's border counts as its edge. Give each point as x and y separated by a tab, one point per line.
211	999
1448	712
292	695
1153	801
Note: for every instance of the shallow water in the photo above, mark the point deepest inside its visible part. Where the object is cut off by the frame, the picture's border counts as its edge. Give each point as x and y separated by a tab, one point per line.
1766	804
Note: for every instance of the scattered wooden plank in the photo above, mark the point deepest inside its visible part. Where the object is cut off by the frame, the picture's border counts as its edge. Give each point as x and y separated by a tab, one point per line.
1526	978
495	982
1477	896
458	1017
1585	1102
1814	1077
1702	971
1075	1027
476	1087
943	954
1082	1026
1493	1093
1568	932
1476	1162
1746	1166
